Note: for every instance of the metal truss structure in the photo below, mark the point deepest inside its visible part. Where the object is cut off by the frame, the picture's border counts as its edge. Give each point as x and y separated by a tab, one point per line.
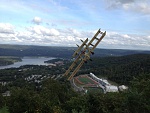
83	53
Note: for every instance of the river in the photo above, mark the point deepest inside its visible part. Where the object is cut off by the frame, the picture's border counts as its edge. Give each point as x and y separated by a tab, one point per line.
29	61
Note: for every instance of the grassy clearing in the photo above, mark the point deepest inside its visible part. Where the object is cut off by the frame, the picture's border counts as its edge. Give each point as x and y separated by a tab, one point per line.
85	80
94	90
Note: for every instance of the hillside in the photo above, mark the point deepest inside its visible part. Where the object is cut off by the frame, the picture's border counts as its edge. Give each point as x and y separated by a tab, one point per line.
63	52
121	69
33	88
7	60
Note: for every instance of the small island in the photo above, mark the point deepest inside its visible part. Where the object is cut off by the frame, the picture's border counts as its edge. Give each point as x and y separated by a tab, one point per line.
8	60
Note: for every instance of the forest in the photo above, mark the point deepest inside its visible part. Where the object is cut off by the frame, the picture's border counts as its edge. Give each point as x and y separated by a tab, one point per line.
119	69
57	96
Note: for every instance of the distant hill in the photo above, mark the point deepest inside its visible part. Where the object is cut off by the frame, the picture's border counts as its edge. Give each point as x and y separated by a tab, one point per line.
120	69
63	52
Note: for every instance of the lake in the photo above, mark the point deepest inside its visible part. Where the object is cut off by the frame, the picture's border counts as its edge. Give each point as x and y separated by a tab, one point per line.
29	61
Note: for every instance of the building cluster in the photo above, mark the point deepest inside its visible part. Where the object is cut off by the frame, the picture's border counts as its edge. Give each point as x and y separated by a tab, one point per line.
39	78
35	78
58	63
3	83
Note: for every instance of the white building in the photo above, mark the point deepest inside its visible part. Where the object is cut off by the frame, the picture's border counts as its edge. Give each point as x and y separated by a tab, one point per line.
101	81
107	86
122	88
111	88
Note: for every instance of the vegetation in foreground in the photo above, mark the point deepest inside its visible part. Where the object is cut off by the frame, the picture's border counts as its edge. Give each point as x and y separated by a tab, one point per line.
57	96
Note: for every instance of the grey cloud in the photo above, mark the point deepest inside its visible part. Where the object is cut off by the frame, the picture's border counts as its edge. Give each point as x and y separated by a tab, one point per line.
6	28
137	6
117	3
24	36
126	41
125	1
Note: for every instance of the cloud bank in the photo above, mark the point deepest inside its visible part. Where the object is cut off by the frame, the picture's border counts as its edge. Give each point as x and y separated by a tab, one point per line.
40	35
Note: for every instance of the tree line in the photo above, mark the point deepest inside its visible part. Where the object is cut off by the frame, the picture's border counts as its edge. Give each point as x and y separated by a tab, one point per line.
60	52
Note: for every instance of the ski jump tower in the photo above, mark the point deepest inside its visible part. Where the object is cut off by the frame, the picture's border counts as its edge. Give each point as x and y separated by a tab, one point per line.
83	53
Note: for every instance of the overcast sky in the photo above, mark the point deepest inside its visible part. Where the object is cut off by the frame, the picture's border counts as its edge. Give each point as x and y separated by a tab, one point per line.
65	22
